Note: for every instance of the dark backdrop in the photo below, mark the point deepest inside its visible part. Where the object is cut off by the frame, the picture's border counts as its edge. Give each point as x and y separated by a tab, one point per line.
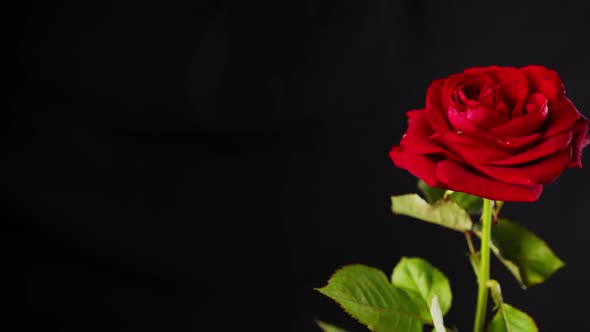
202	166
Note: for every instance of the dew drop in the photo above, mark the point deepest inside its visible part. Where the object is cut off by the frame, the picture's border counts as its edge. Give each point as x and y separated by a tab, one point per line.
459	132
508	141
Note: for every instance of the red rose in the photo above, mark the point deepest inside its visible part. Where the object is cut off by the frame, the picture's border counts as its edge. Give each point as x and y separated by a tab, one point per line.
495	132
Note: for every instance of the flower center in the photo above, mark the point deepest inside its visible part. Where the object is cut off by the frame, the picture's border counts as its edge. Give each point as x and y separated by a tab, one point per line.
476	103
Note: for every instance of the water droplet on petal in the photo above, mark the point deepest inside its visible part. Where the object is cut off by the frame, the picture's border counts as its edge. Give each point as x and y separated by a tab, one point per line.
508	141
459	132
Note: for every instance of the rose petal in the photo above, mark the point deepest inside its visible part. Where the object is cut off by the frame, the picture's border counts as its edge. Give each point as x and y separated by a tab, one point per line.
470	150
455	81
487	71
458	179
435	111
449	88
485	118
516	143
543	149
514	95
543	171
579	142
562	116
418	165
536	99
416	137
523	125
509	145
396	155
512	88
506	75
543	80
462	124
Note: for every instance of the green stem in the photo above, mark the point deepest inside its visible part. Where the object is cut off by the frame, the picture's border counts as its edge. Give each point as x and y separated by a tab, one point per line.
484	267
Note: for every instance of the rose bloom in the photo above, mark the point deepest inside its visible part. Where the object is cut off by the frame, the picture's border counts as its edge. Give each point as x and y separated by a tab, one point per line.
495	132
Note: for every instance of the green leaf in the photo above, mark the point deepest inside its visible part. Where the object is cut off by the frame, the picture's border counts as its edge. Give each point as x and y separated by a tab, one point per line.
366	294
526	255
432	194
472	204
510	319
422	281
444	213
329	327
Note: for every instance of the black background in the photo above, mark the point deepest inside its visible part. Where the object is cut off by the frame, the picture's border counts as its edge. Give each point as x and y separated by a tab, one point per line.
202	166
